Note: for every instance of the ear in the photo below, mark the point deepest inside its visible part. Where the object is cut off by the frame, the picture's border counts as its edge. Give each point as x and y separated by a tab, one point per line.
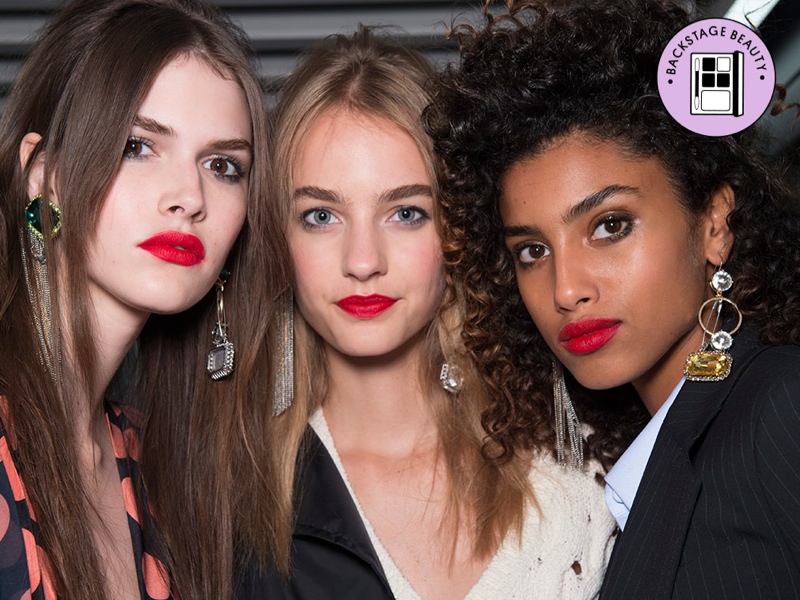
717	235
35	169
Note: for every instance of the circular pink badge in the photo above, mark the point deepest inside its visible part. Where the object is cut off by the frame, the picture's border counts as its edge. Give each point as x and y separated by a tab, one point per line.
716	77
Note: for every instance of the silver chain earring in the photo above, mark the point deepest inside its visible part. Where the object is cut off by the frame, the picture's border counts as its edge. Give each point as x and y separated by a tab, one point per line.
283	390
566	422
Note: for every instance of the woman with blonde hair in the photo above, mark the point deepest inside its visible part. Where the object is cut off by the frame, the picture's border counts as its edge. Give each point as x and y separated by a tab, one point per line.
397	491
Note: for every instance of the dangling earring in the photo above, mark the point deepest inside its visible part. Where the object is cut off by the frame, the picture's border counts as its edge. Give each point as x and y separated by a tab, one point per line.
283	391
38	286
220	357
450	378
567	422
713	362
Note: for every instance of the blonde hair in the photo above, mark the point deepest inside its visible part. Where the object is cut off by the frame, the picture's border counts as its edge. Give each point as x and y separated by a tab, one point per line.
375	76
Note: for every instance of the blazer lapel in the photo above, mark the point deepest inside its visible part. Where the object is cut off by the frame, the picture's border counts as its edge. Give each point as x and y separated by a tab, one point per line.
647	554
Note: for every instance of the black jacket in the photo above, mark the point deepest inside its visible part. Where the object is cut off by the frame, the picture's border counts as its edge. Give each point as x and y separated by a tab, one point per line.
332	556
717	514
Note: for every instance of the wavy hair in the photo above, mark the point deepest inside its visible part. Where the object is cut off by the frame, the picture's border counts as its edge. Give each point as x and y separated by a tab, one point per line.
375	76
536	74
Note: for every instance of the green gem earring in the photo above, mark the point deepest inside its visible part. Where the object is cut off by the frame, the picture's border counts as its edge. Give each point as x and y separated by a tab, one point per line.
33	214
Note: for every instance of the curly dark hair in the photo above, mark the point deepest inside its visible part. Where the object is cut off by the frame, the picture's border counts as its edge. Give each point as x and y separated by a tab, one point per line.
530	77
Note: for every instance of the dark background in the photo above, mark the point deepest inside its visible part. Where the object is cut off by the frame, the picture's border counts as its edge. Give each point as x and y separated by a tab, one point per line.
281	29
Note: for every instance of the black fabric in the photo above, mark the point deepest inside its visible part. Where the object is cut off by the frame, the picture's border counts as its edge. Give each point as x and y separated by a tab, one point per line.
717	514
332	556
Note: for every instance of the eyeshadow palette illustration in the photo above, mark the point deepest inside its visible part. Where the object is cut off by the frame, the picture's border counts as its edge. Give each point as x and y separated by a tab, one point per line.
717	83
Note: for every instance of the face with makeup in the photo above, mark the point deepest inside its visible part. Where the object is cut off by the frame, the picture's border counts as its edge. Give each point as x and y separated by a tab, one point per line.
610	265
178	201
366	254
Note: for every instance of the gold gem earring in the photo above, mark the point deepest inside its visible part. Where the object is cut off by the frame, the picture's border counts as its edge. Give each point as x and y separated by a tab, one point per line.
220	357
712	362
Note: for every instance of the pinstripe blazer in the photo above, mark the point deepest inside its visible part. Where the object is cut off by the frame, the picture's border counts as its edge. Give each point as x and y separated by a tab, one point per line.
717	513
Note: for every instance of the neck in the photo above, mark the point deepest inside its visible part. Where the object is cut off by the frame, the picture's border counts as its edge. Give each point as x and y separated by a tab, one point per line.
113	334
655	386
377	403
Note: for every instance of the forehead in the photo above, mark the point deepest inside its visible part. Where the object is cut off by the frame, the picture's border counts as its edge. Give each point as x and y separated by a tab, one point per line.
572	168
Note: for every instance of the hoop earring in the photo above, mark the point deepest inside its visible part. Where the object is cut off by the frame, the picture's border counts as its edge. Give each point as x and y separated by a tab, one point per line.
712	362
38	282
283	391
566	422
220	357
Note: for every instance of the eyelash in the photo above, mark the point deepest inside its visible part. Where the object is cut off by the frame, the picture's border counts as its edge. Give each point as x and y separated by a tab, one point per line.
237	167
422	217
625	219
135	140
145	143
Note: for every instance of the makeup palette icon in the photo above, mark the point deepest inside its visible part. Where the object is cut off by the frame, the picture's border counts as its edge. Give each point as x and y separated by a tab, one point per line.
717	79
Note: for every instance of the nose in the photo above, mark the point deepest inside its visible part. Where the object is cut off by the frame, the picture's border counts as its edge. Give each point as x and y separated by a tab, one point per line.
184	193
364	253
575	283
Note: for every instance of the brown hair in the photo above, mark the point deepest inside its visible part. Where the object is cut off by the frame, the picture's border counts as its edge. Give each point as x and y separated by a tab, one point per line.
375	76
80	89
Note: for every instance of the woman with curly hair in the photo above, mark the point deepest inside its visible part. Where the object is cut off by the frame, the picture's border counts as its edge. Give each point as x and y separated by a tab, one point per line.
397	496
591	230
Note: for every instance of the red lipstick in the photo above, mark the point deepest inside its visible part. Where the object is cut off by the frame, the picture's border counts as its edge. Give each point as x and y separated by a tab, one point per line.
366	307
175	247
588	335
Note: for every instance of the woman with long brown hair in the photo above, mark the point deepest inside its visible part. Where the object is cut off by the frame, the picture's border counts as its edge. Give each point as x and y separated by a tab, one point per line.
397	492
129	186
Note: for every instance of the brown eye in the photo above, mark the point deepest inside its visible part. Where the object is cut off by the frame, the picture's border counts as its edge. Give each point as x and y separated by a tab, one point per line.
219	165
224	168
133	147
612	228
532	252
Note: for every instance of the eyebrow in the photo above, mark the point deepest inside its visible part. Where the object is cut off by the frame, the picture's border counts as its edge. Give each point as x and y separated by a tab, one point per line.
232	145
594	200
229	145
586	205
393	195
152	125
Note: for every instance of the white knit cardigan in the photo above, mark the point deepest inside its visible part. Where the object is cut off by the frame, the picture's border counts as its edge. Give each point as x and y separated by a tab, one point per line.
566	543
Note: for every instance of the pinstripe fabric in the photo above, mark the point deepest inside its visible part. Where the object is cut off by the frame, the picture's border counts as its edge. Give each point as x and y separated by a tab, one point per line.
717	514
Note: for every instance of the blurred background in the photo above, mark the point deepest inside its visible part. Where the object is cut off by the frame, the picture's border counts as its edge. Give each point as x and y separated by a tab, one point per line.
280	30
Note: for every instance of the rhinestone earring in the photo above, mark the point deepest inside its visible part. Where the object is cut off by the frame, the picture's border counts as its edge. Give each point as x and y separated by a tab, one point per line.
712	362
220	357
566	422
450	378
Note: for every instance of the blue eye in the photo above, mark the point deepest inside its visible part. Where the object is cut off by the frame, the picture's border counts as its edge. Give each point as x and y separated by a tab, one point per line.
318	217
409	215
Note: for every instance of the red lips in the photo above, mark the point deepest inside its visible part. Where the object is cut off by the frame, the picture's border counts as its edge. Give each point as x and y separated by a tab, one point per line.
366	307
588	335
175	247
